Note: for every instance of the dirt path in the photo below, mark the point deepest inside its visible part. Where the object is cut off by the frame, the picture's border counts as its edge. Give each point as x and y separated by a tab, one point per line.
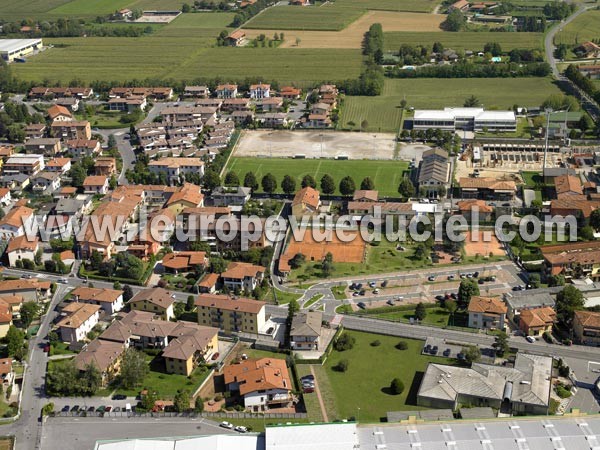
352	36
318	392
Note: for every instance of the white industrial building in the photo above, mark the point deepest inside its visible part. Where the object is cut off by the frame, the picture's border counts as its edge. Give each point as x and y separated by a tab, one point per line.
18	48
470	119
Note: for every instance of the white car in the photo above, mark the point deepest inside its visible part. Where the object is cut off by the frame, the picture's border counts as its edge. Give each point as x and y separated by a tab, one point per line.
226	424
241	429
530	339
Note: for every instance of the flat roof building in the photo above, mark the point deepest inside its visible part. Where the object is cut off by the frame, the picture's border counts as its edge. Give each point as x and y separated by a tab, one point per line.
18	48
473	119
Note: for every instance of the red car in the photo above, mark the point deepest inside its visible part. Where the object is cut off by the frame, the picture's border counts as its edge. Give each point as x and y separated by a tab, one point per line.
309	390
46	348
215	356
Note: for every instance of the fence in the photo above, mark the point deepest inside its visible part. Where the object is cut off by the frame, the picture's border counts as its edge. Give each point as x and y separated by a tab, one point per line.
219	414
246	415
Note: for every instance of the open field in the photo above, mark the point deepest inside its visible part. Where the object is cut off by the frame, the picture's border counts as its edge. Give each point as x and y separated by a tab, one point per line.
496	93
353	34
585	28
197	25
327	17
159	57
19	9
350	389
90	8
381	113
315	144
463	40
390	5
385	175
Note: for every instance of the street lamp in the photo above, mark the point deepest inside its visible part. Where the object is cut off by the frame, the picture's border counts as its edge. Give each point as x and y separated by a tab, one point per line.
358	415
548	111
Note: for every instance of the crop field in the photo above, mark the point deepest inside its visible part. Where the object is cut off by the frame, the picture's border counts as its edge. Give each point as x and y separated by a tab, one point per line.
198	25
494	93
123	59
383	114
156	4
390	5
385	174
584	28
89	8
19	9
327	17
464	40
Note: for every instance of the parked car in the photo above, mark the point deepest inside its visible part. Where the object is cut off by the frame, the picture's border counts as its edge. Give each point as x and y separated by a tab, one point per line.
375	291
308	389
63	281
431	278
117	409
446	352
226	424
434	350
308	377
390	302
530	339
75	408
372	284
91	409
454	296
65	408
361	305
353	286
476	274
119	397
241	429
427	348
215	356
355	294
384	283
359	286
440	298
481	281
362	292
450	277
100	409
109	408
460	356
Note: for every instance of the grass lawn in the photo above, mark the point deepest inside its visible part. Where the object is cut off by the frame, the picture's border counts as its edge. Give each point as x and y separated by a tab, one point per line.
60	348
435	316
17	9
382	114
106	119
283	298
385	174
311	402
339	292
532	179
585	28
350	389
198	25
497	93
328	17
256	354
160	57
464	40
390	5
314	299
164	384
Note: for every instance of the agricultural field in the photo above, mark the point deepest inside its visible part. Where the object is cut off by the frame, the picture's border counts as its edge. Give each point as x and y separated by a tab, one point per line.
584	28
385	174
390	5
18	9
464	40
89	8
161	57
497	93
381	113
327	17
351	392
198	25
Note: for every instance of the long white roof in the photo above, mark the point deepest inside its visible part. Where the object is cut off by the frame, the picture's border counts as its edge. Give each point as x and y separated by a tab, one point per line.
10	45
452	113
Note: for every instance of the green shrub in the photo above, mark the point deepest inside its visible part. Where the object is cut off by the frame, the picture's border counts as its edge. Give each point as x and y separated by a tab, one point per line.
397	386
402	345
342	366
376	343
344	342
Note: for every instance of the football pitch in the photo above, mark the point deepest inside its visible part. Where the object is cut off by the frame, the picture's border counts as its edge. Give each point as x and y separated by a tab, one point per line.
386	175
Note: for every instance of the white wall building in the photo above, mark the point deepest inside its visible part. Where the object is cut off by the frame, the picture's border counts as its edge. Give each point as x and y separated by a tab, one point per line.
471	119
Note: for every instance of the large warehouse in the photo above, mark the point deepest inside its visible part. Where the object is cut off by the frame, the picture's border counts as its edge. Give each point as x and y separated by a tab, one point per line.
471	119
18	48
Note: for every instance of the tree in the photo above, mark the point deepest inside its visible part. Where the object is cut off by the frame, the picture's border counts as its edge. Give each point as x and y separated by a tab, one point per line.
112	142
535	280
298	40
556	280
293	308
367	184
586	123
178	310
15	339
344	342
288	185
134	368
471	101
29	311
569	300
182	401
467	289
472	353
342	365
501	343
217	264
250	181
397	386
231	179
451	307
327	266
347	186
149	400
90	380
95	260
78	175
438	47
198	405
364	125
269	183
297	260
406	189
455	21
595	219
185	8
586	233
211	179
420	311
127	293
327	184
189	306
308	180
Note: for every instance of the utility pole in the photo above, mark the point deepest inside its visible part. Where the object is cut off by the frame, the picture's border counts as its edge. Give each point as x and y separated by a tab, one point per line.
548	111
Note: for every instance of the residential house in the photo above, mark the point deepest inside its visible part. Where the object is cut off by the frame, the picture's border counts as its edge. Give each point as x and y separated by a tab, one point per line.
259	91
185	113
20	248
518	301
487	313
46	183
83	147
586	327
39	92
290	92
242	277
5	197
128	104
236	38
472	208
434	172
226	91
71	129
567	185
460	5
186	196
95	184
16	222
71	103
231	196
362	195
274	120
236	104
522	389
60	113
156	300
176	262
305	332
6	372
537	321
109	300
105	166
35	131
196	92
263	384
24	164
6	319
243	117
59	165
306	202
487	188
104	355
270	104
318	121
231	314
573	260
31	290
588	49
208	283
176	168
79	319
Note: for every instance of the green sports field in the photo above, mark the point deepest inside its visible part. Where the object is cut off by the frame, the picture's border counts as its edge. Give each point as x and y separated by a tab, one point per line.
383	114
385	174
585	28
464	40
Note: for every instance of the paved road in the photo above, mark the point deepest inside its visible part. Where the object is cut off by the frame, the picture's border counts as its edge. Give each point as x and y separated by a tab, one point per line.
549	39
124	147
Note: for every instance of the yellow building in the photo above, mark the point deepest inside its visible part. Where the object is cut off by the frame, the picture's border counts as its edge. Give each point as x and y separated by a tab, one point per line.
10	49
156	300
231	315
307	202
586	327
184	354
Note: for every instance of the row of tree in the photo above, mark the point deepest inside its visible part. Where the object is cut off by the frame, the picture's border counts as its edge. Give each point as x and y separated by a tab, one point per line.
587	85
471	70
373	43
71	28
